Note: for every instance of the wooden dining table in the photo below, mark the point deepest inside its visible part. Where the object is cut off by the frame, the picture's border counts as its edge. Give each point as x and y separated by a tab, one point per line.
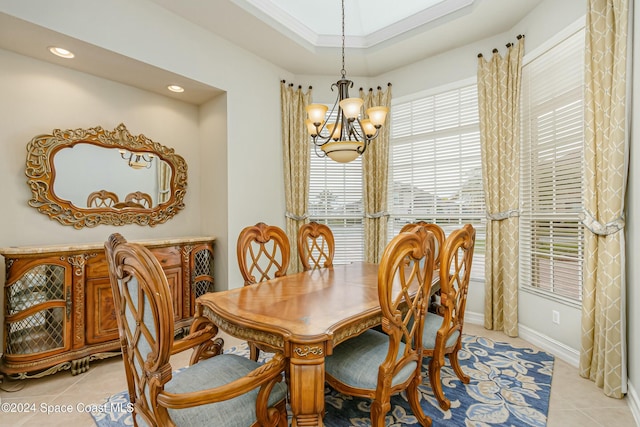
304	316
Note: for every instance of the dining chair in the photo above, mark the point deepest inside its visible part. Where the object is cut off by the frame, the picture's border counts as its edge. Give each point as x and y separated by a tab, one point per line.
143	199
215	389
442	334
375	364
316	246
438	232
263	254
102	199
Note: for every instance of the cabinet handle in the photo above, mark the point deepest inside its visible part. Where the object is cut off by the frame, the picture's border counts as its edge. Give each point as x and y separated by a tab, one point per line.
68	303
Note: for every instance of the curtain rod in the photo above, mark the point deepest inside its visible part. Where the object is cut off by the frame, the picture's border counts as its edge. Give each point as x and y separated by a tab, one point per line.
495	50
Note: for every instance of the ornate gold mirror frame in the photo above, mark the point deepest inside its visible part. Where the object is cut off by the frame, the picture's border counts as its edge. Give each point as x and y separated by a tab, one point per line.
41	174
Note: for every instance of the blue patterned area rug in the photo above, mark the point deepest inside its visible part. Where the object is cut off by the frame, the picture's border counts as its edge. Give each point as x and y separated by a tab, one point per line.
509	387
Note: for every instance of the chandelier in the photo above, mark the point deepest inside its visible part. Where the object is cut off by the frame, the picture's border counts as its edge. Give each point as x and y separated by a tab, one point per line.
137	160
349	135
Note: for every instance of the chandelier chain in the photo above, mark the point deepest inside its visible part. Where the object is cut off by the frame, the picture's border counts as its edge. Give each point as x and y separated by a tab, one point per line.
352	129
343	71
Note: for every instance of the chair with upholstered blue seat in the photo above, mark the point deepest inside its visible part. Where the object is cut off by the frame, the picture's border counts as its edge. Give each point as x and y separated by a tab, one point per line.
377	364
216	389
438	232
263	253
442	333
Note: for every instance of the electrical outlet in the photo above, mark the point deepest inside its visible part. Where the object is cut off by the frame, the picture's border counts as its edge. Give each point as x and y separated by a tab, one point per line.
555	317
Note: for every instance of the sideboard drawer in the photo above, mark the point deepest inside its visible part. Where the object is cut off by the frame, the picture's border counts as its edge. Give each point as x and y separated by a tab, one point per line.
169	256
97	265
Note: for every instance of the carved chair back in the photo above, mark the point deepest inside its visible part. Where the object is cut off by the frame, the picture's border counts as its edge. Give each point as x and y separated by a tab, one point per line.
102	199
213	386
145	321
457	256
406	269
316	246
143	199
263	253
377	365
443	332
438	233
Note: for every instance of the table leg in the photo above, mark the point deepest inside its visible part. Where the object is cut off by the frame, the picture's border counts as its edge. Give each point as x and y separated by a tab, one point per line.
306	386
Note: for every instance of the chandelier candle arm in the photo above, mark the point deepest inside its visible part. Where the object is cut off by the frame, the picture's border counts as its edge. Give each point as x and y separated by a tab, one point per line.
335	131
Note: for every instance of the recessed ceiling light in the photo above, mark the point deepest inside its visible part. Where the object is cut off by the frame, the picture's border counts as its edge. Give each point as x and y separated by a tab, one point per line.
175	88
61	52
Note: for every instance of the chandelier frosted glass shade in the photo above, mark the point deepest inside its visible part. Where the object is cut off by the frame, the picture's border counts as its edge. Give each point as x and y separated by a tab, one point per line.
343	151
377	115
316	114
351	107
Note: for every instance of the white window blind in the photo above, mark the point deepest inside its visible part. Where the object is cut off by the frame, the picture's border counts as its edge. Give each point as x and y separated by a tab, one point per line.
551	234
436	169
335	199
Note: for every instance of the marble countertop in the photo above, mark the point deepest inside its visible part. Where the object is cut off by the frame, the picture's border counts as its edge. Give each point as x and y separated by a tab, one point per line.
78	247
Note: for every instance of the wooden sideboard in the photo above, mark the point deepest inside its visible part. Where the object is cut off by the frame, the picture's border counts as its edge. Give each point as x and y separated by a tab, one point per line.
58	306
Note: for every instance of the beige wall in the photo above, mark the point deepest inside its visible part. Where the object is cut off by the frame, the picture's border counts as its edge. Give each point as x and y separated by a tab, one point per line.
39	97
246	157
235	169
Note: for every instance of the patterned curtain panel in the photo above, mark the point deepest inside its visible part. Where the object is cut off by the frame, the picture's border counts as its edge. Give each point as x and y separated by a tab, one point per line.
375	171
295	148
603	352
499	109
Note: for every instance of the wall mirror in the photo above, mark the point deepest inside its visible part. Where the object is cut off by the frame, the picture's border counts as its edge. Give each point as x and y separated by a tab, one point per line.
87	177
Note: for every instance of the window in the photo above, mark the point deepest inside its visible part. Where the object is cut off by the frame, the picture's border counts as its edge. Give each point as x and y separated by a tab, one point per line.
335	199
436	166
551	233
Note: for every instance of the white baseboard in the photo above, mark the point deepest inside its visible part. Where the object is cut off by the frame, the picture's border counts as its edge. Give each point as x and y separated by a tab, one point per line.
548	344
472	317
558	349
634	402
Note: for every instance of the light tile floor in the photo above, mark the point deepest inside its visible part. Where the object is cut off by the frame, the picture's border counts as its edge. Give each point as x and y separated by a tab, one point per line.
574	401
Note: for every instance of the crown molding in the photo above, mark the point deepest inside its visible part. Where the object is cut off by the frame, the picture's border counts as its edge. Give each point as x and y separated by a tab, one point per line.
292	27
